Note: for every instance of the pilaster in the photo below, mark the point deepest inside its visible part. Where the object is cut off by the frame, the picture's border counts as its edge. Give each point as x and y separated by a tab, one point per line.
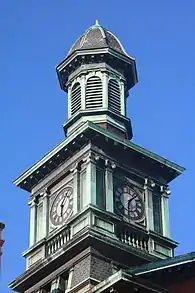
105	89
69	101
76	189
165	215
109	188
90	197
58	285
149	206
45	223
123	102
83	81
70	276
33	213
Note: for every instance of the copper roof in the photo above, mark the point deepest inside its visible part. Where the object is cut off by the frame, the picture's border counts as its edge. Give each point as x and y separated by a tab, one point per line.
96	37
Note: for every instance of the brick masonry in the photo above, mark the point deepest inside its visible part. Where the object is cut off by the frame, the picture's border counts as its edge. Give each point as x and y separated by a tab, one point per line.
91	267
100	269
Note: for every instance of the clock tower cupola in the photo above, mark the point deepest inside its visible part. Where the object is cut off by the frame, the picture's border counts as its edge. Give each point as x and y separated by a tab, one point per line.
98	202
97	75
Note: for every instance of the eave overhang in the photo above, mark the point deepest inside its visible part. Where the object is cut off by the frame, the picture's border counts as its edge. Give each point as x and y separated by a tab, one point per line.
168	271
81	136
110	56
122	281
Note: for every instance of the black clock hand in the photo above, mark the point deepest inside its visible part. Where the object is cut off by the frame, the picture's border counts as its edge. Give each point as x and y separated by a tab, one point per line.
129	201
62	204
132	198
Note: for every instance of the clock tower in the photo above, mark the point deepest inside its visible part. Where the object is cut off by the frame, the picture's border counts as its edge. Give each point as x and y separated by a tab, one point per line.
98	202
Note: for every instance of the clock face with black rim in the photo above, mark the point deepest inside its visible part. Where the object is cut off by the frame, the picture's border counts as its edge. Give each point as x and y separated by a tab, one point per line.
62	206
129	202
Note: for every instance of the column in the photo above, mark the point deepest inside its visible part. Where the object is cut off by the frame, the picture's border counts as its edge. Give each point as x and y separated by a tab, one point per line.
149	207
70	276
105	89
69	101
33	212
58	285
165	215
45	223
109	189
90	197
123	99
75	189
82	82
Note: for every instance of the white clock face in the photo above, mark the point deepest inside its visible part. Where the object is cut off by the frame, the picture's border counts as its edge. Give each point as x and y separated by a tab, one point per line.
62	206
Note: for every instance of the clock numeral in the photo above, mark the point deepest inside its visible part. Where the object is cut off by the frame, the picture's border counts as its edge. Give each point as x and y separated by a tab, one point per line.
135	214
54	215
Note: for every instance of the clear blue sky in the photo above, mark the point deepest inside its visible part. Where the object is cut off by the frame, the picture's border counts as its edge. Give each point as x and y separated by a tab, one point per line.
35	37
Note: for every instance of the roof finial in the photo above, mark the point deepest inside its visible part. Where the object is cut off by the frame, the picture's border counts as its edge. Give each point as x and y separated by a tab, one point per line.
97	22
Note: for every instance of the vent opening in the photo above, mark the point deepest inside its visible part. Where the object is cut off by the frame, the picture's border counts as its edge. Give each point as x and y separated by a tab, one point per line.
75	98
114	101
93	93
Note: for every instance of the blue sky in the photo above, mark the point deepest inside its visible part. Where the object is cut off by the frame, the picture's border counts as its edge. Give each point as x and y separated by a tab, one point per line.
35	37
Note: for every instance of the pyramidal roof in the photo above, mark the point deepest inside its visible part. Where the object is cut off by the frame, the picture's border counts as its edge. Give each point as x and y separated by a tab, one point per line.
97	37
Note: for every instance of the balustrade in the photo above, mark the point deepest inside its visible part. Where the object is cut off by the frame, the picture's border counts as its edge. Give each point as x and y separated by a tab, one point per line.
133	238
58	241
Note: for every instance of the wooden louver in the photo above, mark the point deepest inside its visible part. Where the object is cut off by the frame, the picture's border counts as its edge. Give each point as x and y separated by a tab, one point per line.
93	93
75	98
114	101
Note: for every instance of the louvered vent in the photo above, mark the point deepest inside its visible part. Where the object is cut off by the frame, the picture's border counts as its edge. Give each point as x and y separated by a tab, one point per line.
93	93
114	101
75	98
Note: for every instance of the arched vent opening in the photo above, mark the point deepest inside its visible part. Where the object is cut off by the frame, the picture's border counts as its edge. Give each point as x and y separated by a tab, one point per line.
93	93
75	98
114	101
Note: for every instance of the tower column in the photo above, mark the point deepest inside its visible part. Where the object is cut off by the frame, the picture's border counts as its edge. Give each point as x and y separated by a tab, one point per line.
105	89
165	215
58	285
45	222
90	197
76	189
33	212
109	189
69	101
149	206
83	81
123	112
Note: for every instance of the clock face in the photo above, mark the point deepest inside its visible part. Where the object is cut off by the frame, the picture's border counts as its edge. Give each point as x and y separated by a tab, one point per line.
129	202
62	206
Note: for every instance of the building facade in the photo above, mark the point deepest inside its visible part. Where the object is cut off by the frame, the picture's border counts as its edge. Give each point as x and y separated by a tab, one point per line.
98	202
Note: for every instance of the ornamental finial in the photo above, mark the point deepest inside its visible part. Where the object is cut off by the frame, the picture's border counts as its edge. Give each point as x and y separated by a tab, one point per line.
97	22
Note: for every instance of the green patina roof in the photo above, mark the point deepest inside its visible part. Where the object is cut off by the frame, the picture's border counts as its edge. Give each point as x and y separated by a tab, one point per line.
163	264
139	149
109	135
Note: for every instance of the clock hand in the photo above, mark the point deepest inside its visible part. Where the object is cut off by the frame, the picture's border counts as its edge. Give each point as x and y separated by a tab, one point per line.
62	204
132	198
129	201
